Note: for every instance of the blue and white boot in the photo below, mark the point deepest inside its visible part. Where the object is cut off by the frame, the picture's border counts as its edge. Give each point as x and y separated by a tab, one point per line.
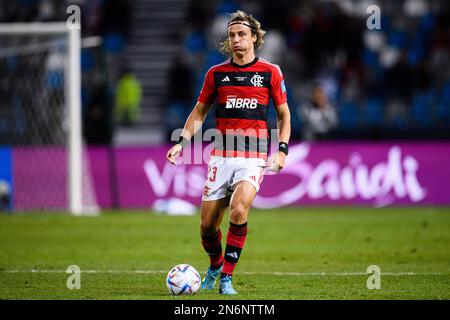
209	280
226	287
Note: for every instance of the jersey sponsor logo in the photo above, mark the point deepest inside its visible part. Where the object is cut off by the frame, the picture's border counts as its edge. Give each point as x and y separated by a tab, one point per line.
283	87
244	103
257	80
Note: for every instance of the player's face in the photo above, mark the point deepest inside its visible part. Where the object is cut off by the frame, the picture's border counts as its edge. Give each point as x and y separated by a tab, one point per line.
241	39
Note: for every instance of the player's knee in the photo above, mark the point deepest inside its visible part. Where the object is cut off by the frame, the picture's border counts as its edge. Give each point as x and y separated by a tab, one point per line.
207	228
238	212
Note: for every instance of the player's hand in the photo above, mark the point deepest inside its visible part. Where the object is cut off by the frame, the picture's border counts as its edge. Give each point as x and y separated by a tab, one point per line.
281	160
173	153
277	162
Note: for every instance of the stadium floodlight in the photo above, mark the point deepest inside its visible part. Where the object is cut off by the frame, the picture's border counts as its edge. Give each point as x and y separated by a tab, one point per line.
40	70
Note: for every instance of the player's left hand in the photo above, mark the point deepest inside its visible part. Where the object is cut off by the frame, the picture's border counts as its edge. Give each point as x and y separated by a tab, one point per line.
281	160
173	153
277	162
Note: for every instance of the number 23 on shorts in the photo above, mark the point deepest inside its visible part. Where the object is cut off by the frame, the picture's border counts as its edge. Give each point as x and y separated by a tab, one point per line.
213	173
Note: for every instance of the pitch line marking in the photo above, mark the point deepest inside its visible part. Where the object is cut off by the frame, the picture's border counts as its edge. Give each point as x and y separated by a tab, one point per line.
276	273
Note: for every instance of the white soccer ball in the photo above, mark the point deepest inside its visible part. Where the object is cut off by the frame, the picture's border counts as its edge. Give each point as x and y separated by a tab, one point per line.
183	279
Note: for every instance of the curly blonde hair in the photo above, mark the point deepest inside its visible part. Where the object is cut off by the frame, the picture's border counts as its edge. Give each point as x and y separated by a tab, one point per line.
255	26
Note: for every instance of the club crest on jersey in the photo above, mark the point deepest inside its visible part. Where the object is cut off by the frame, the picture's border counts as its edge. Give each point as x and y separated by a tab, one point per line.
257	80
244	103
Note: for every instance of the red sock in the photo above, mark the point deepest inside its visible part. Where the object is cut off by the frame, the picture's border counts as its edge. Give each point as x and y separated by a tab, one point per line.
213	247
235	241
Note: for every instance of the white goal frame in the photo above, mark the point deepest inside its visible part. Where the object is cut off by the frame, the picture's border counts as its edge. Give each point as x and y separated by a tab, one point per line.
72	98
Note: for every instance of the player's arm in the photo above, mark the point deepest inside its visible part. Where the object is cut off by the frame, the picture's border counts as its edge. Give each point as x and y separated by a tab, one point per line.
284	132
192	125
284	122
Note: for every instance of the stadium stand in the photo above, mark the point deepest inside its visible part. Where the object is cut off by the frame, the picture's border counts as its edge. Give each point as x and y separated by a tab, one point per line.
387	83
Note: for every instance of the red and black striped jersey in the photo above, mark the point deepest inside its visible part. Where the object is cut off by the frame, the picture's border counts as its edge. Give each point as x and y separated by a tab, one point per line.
241	95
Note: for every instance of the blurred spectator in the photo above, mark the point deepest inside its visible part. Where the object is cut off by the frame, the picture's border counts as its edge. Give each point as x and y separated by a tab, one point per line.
127	98
317	115
180	81
180	94
399	79
98	119
422	76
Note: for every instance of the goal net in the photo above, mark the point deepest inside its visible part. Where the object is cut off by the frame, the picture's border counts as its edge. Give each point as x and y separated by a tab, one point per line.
40	119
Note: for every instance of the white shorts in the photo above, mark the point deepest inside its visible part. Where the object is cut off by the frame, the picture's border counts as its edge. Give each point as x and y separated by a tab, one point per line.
224	173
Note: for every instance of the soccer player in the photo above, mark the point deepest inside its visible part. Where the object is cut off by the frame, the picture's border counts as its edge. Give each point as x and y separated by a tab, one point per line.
240	88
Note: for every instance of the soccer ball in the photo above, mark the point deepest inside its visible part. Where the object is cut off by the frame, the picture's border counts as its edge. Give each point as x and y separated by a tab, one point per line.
183	279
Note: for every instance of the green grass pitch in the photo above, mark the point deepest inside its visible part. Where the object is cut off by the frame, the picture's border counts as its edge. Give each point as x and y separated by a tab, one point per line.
290	253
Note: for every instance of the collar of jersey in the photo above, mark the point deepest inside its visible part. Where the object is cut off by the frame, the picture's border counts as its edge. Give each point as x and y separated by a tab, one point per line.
244	65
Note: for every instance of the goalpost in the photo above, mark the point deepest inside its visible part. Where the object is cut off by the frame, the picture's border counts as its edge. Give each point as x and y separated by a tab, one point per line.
43	109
